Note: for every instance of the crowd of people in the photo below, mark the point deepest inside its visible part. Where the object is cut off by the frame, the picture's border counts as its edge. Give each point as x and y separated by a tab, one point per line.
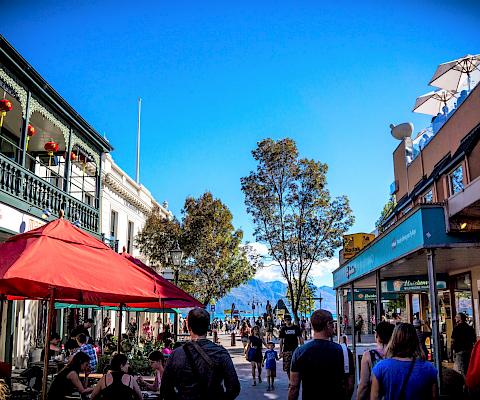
396	368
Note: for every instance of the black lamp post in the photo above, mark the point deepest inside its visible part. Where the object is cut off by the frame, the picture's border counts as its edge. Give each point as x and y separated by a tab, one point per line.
176	255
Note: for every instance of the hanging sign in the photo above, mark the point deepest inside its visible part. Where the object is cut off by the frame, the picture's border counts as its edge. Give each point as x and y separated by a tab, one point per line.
418	283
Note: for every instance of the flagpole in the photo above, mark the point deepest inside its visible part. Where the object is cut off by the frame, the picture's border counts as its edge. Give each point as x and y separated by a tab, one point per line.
137	175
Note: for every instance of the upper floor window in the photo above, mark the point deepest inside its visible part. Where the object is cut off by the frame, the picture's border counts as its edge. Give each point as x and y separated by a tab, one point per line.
456	180
428	197
130	237
113	224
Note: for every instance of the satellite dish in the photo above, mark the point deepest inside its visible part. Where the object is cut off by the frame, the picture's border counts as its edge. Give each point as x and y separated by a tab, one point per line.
402	131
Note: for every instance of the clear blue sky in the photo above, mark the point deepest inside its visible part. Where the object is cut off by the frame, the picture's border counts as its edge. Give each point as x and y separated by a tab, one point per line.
216	77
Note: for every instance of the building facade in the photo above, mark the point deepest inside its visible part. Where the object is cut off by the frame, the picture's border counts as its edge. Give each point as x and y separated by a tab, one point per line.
50	160
125	207
425	261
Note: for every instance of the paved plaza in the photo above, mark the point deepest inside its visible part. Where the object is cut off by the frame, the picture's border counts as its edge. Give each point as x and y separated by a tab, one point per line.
243	368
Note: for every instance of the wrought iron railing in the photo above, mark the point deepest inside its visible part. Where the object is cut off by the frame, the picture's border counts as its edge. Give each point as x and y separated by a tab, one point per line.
34	191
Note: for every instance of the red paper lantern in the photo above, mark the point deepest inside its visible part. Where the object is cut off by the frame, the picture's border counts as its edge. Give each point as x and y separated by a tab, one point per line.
83	158
31	131
73	156
51	147
5	106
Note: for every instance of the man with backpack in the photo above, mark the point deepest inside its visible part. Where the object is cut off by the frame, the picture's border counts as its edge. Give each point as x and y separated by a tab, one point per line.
200	369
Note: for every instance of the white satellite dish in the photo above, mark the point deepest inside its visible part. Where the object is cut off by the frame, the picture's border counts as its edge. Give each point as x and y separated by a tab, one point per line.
402	131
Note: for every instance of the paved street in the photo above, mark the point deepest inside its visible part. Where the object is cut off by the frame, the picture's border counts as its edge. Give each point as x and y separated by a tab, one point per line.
244	374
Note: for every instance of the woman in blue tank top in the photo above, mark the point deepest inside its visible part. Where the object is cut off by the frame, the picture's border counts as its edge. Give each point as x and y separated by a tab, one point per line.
404	374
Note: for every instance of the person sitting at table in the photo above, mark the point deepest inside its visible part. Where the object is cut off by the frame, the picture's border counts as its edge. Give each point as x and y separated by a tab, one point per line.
89	350
157	363
67	380
54	348
117	384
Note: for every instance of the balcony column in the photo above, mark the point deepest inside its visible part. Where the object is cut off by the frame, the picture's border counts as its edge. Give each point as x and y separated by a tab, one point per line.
23	138
67	173
98	193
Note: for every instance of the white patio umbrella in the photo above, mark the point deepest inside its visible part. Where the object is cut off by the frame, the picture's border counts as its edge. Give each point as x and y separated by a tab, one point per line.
432	103
451	75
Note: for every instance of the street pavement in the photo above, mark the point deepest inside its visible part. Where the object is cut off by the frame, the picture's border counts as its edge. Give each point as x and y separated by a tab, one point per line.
244	372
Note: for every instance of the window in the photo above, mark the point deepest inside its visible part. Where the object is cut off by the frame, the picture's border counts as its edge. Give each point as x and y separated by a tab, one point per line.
88	199
428	197
113	224
456	180
130	237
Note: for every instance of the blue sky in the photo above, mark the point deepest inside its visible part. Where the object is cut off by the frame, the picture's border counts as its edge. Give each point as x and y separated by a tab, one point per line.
217	77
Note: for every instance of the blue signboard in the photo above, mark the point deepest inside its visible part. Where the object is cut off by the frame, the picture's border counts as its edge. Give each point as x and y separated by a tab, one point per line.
424	228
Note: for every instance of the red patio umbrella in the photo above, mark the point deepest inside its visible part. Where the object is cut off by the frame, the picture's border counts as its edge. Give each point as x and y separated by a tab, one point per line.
173	297
61	262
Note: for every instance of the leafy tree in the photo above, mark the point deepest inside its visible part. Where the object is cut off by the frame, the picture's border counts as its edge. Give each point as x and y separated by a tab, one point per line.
215	259
158	236
387	210
293	212
307	302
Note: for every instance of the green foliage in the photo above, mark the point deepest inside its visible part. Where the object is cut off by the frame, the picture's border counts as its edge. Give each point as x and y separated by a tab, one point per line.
158	237
387	210
307	303
215	260
293	212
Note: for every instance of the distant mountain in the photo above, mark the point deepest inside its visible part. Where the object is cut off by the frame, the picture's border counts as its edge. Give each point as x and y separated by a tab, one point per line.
259	291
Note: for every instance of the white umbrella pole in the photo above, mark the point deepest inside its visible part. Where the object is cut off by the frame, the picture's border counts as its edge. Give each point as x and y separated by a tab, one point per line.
51	306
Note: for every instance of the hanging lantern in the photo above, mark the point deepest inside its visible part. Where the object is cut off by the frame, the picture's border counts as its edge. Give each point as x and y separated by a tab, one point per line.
30	132
51	148
5	106
73	156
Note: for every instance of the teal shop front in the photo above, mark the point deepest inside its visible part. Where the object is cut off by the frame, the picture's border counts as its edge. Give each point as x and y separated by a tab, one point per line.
417	270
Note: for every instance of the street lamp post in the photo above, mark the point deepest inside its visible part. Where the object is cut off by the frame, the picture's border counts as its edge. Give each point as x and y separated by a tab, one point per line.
176	255
254	302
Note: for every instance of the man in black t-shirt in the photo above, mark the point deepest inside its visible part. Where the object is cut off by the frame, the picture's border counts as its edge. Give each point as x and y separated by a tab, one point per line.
83	329
319	366
290	338
463	340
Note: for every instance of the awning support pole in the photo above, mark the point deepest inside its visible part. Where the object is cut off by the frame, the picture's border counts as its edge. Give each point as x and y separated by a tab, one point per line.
51	306
352	321
339	317
433	297
119	336
378	305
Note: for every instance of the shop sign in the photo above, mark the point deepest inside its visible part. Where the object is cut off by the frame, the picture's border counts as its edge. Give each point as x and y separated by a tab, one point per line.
369	295
354	243
410	284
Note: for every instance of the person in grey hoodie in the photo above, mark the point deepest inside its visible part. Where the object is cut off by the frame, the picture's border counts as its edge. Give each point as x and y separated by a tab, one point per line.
200	369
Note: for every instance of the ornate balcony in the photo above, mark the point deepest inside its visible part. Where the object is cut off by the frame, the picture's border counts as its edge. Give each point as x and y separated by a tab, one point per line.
20	187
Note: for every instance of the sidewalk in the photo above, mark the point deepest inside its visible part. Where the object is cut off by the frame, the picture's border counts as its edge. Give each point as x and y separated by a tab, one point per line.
244	372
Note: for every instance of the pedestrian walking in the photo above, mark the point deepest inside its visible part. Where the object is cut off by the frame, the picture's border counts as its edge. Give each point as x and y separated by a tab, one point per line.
370	358
318	366
404	374
290	339
244	334
270	360
463	340
254	354
200	369
359	327
269	328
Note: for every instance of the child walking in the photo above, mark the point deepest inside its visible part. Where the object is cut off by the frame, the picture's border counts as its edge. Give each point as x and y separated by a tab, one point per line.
270	360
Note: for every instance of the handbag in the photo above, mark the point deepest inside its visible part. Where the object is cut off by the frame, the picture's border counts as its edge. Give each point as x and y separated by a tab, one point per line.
251	354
